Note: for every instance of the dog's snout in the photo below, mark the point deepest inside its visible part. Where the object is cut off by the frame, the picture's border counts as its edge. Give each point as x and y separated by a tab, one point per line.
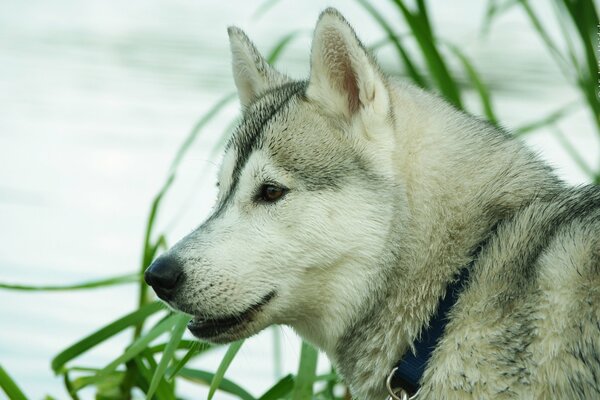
164	275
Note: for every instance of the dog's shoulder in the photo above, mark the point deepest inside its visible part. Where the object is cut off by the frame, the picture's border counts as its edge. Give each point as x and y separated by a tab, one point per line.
533	301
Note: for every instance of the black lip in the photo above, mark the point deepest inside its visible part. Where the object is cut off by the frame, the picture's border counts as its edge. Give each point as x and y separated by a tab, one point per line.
211	327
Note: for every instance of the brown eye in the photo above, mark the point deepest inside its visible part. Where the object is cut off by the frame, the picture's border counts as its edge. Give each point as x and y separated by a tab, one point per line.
271	193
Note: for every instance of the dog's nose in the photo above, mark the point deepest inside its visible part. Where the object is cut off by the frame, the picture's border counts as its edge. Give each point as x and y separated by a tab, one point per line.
164	274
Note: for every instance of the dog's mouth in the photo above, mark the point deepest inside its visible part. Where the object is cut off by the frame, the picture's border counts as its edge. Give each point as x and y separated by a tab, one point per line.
207	328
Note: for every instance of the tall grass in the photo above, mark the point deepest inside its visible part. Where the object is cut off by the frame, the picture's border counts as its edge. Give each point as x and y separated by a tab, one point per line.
575	55
158	356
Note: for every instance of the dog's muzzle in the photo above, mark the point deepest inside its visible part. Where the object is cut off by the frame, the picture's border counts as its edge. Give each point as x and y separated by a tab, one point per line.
165	274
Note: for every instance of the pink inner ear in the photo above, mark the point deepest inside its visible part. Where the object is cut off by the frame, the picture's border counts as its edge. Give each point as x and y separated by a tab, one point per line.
341	72
350	86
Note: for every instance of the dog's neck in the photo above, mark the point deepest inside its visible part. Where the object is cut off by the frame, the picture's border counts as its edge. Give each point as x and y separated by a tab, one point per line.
451	211
404	305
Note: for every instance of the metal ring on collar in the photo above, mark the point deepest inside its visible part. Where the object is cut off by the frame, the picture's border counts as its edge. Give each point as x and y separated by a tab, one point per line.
397	393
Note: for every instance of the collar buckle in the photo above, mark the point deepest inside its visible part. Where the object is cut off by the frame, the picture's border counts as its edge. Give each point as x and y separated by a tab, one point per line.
397	393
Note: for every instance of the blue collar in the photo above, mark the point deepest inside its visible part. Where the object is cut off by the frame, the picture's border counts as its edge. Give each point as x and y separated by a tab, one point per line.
411	367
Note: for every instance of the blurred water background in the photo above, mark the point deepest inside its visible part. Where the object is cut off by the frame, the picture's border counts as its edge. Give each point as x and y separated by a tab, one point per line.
96	97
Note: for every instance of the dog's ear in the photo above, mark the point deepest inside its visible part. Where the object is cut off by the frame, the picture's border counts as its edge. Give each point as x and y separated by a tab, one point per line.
251	72
343	76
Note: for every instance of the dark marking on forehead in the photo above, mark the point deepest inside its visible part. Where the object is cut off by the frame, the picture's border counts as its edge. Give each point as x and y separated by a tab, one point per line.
247	137
249	133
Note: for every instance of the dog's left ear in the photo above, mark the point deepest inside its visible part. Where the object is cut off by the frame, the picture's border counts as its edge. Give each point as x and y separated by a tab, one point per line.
343	76
251	72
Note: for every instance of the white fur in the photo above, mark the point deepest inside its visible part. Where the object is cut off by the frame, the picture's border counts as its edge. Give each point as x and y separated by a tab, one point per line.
251	72
416	187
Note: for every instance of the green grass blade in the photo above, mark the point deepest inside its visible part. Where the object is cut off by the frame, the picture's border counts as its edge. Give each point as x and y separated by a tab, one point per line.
165	390
188	356
421	29
547	120
263	8
225	363
411	70
9	386
220	144
424	16
210	114
543	34
330	380
176	334
573	153
141	343
116	280
198	348
225	384
189	140
183	345
281	45
139	374
570	47
149	248
69	385
482	90
87	380
330	377
303	387
101	335
585	18
385	42
143	375
493	10
281	389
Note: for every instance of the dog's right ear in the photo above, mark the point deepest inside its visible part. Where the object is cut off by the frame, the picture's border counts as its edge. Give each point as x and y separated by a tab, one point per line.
251	72
343	76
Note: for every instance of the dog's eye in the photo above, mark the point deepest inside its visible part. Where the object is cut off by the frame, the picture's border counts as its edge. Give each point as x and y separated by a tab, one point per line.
271	193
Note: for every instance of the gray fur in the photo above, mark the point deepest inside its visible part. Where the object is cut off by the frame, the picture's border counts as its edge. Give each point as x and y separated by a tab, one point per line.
391	193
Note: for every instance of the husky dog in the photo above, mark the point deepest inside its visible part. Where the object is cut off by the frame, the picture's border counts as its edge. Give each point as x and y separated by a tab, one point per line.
348	205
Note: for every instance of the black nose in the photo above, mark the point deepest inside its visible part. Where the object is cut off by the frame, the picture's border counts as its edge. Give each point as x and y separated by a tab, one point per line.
164	275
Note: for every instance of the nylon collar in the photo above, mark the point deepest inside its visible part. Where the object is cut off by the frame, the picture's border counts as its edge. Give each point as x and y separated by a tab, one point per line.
411	367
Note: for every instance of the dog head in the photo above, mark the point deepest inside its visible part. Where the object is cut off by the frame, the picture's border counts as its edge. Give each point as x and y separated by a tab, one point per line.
305	195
